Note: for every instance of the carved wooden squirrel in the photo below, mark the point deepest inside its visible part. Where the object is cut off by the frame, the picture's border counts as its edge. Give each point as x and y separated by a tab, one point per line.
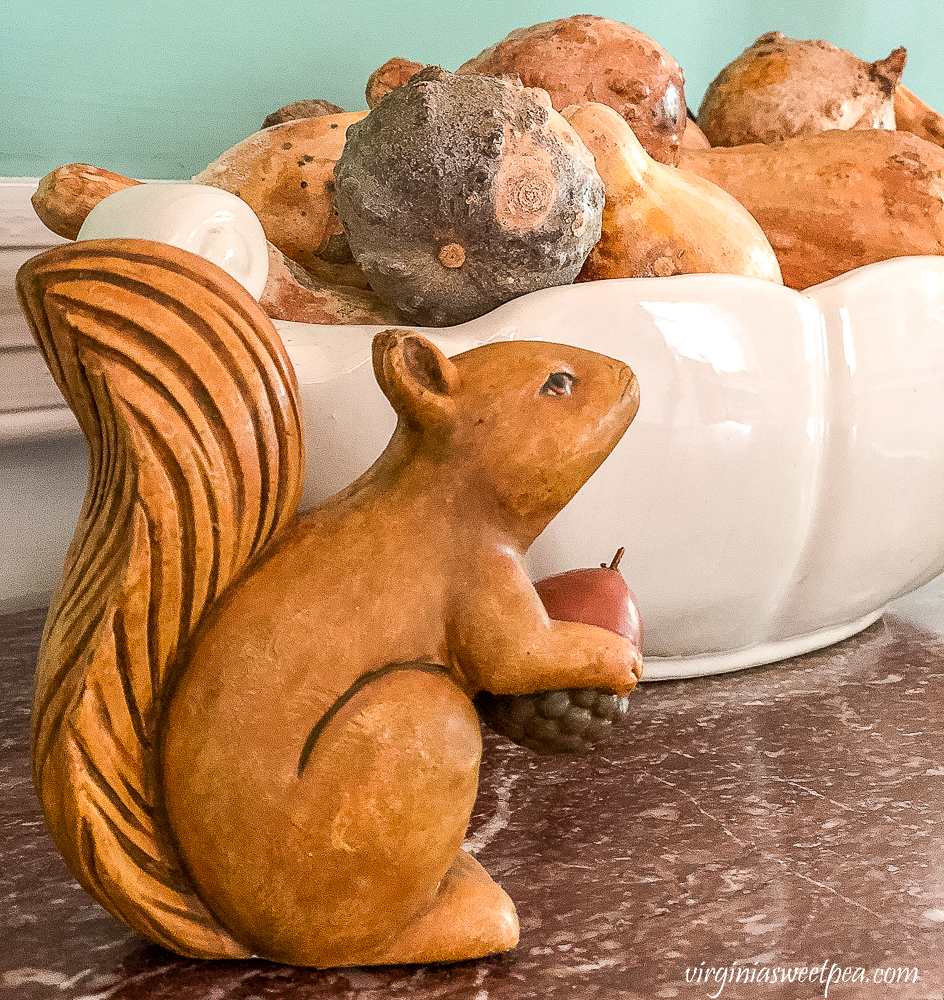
253	727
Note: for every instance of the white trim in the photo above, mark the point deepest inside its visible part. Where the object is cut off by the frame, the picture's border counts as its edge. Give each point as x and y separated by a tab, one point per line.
19	223
22	233
21	426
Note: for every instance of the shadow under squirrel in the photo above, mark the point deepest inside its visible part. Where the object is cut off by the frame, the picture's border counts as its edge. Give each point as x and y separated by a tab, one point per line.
253	729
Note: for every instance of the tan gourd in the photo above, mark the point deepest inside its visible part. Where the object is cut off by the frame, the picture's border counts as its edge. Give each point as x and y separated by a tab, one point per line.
286	175
253	728
836	200
394	73
585	57
312	107
659	220
66	195
781	87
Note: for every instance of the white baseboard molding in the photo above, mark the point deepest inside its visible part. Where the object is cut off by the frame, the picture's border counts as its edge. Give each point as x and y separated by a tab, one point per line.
31	406
43	459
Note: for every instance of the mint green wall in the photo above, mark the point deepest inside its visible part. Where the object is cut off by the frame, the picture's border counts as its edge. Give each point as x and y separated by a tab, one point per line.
160	89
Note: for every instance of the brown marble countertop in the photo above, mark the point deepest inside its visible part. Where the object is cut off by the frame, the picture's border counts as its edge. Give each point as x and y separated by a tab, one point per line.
788	817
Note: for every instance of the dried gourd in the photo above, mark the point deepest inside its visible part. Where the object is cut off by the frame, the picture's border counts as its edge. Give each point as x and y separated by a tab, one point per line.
588	58
285	173
313	107
661	220
837	200
693	137
66	195
458	193
915	116
292	294
394	73
781	87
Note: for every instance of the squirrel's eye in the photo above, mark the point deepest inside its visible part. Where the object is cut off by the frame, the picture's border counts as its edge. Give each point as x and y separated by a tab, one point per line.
558	384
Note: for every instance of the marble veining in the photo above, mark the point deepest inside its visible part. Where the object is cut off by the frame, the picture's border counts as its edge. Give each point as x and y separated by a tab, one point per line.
786	816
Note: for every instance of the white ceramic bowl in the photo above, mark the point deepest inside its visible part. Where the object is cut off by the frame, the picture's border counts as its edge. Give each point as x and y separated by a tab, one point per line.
783	480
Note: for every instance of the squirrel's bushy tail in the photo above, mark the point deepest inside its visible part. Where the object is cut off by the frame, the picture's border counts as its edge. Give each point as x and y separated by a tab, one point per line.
189	404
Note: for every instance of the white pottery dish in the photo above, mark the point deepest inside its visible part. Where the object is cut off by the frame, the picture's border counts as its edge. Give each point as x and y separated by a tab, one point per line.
781	484
783	480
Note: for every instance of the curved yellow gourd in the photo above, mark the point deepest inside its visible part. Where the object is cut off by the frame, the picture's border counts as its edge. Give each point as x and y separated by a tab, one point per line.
660	220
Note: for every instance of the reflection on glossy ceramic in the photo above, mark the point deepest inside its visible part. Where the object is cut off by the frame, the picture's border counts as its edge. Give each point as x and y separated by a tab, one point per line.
784	478
211	223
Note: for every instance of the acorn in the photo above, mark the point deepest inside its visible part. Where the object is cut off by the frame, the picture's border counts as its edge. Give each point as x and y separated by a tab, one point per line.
595	596
572	720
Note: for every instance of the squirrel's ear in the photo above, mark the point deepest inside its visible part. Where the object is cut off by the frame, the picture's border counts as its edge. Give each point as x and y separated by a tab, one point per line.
417	378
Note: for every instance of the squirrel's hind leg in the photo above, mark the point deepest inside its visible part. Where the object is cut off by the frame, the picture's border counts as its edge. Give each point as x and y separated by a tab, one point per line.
471	916
342	848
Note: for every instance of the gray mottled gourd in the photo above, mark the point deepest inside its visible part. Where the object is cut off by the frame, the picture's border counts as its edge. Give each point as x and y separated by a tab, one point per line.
458	193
